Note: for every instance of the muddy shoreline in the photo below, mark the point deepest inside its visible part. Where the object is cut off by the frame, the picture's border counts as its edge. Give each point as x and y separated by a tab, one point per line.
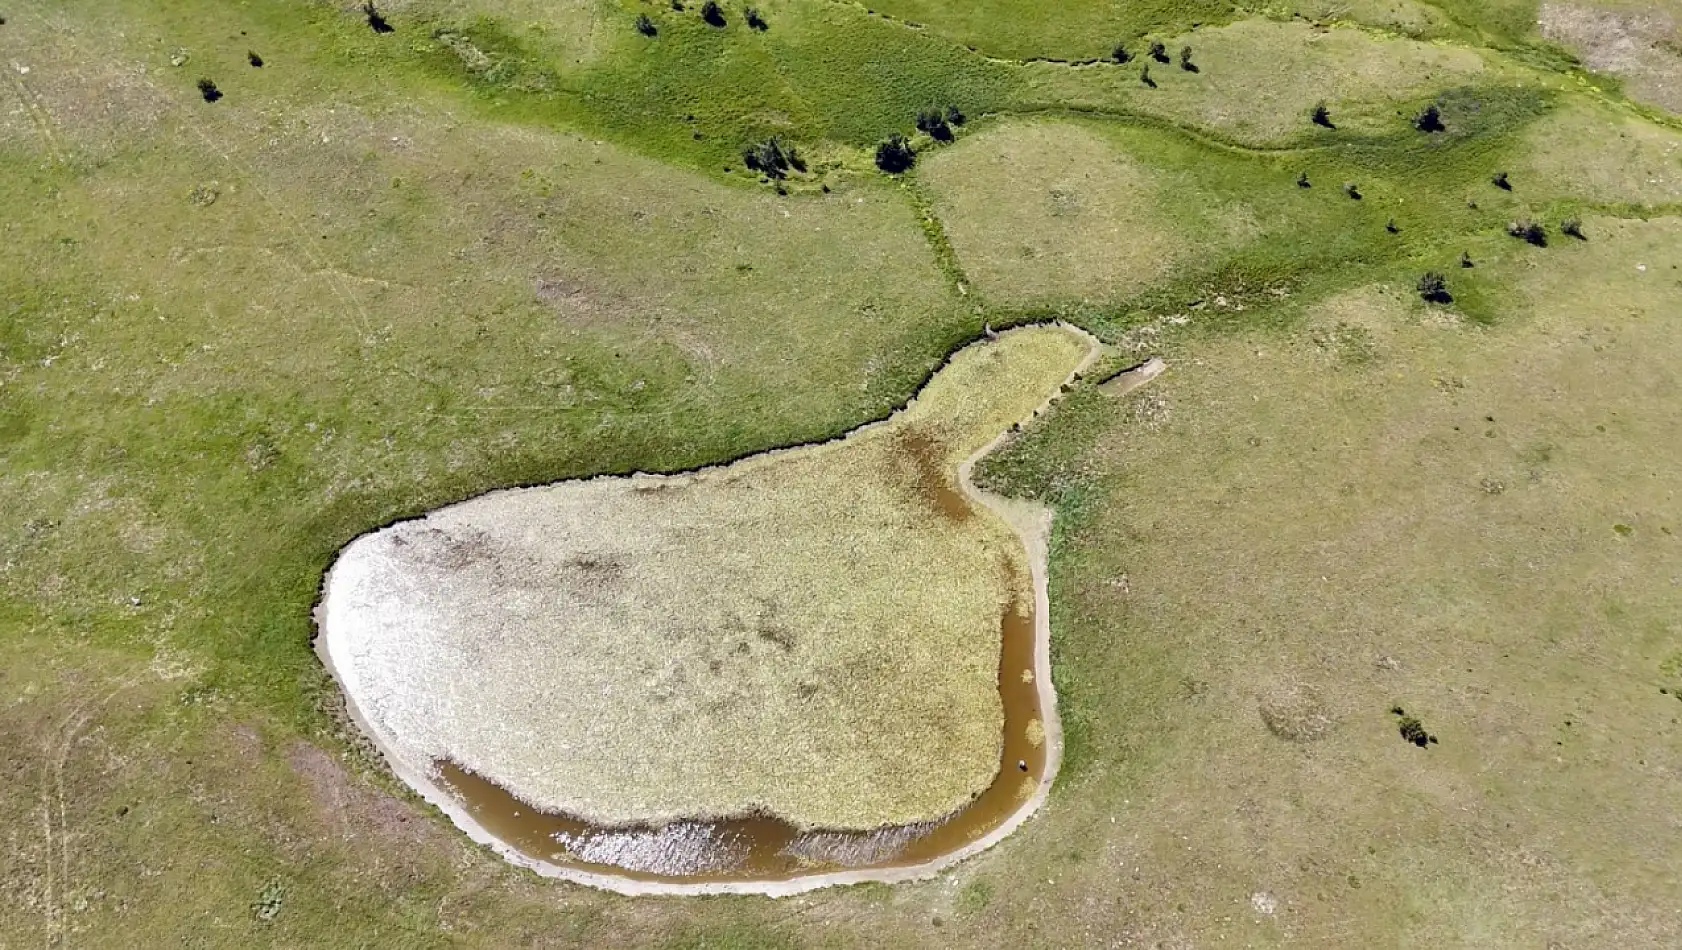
1014	795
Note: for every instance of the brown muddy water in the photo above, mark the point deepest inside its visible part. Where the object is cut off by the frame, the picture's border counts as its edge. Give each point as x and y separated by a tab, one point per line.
762	848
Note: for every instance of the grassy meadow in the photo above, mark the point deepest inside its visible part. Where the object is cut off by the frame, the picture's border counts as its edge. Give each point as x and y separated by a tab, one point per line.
514	241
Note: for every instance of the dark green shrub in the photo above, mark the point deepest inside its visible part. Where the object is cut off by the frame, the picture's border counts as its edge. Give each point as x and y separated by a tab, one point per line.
1120	54
1185	60
208	90
895	154
376	22
1529	231
1145	76
751	14
1465	259
954	115
1429	120
1321	116
1434	287
1499	180
645	26
1352	190
1302	180
252	58
1159	52
712	13
932	122
1573	227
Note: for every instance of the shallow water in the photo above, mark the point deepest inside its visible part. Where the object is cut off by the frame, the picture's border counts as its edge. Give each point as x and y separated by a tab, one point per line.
763	848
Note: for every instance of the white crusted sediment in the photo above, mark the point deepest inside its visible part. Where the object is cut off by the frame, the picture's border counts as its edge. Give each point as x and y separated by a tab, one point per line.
1032	525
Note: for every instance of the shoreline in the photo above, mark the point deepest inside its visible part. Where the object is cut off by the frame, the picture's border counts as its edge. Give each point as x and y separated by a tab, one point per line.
1031	523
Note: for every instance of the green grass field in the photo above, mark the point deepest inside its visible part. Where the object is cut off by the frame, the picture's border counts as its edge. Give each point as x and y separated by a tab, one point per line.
514	241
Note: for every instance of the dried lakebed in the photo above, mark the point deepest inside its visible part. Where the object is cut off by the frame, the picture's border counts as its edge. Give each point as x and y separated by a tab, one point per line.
813	666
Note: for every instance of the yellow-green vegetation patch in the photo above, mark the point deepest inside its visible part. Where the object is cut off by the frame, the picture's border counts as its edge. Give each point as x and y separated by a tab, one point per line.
812	633
1594	153
1256	80
1050	211
576	32
1408	17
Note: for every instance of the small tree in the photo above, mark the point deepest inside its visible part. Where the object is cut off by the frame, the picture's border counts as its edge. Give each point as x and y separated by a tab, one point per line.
770	158
1414	731
1574	227
1392	227
252	58
1145	76
1434	287
1185	60
645	26
1302	180
1120	54
376	22
1159	52
712	13
1465	259
895	154
1429	120
954	115
208	90
751	14
1528	231
1499	180
1321	115
1352	190
932	122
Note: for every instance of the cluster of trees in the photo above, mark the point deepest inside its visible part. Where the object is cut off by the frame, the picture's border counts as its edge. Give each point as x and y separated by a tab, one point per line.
1159	53
896	154
772	158
711	13
937	123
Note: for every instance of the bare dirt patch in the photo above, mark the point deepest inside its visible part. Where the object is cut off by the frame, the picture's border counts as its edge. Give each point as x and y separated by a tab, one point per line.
351	806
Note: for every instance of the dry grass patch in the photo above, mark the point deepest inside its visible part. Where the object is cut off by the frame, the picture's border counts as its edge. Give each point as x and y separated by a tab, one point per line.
1591	152
1638	42
1047	211
811	633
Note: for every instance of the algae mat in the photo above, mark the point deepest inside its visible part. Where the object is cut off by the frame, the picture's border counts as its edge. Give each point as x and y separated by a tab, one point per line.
809	635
